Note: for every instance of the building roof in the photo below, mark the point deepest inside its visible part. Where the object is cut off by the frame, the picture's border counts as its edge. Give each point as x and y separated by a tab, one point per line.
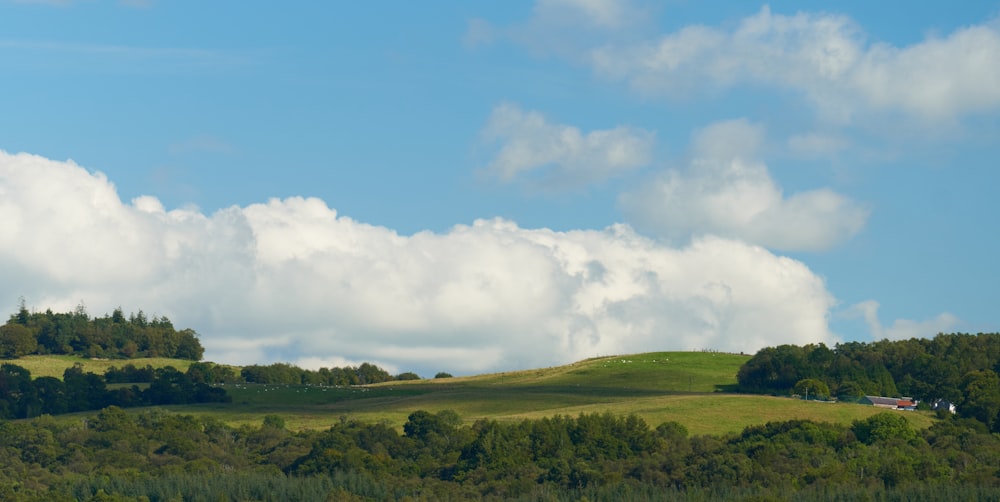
885	401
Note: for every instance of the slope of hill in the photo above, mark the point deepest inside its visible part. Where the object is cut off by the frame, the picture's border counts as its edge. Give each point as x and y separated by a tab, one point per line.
664	386
55	365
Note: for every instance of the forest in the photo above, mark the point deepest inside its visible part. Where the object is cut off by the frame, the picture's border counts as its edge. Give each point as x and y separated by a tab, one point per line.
957	368
156	455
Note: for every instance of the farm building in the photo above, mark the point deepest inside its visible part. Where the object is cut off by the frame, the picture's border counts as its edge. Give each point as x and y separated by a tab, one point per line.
892	403
943	404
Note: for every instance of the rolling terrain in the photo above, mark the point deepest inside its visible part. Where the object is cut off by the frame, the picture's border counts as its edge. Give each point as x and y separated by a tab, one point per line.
686	387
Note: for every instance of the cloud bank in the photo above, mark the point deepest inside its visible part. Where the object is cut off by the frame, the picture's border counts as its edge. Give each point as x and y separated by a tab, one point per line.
292	280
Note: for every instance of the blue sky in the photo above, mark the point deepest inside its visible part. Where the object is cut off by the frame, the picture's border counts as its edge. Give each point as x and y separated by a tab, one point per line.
472	187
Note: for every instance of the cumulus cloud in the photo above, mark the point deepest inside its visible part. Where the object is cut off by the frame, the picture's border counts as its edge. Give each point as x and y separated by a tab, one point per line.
824	56
292	280
901	329
566	157
726	191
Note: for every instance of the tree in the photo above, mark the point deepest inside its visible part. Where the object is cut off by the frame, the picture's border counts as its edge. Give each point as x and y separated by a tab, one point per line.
22	315
421	424
16	340
369	373
84	391
812	387
18	391
882	427
982	397
52	395
188	346
774	369
274	422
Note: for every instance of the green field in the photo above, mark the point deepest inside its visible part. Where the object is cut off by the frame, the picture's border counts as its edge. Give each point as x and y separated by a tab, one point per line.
54	366
680	386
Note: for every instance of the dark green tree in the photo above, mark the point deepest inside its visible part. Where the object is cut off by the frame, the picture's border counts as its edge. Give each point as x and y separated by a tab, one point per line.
883	427
16	340
982	397
812	388
84	391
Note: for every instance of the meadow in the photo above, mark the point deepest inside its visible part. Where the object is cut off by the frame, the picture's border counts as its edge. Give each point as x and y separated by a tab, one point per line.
55	365
686	387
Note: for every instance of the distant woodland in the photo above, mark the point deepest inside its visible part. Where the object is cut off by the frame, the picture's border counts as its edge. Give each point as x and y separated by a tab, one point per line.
155	455
112	336
119	337
116	455
960	369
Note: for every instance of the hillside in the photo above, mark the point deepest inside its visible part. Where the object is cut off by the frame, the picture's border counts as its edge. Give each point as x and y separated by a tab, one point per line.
379	433
664	386
55	365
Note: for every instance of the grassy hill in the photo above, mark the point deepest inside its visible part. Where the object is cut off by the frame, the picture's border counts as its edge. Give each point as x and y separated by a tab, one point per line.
686	387
55	365
679	386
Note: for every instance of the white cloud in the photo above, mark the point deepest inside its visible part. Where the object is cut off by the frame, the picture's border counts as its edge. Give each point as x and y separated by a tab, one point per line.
901	329
292	280
529	143
823	56
726	191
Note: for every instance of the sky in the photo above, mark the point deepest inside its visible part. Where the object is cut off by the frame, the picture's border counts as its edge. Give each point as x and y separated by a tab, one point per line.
476	187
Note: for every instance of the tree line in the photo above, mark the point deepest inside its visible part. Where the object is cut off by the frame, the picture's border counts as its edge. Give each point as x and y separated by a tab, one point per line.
116	336
113	336
958	368
283	373
22	396
156	455
272	374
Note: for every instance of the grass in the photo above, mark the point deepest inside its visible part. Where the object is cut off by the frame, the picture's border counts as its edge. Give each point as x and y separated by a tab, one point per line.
55	365
665	386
